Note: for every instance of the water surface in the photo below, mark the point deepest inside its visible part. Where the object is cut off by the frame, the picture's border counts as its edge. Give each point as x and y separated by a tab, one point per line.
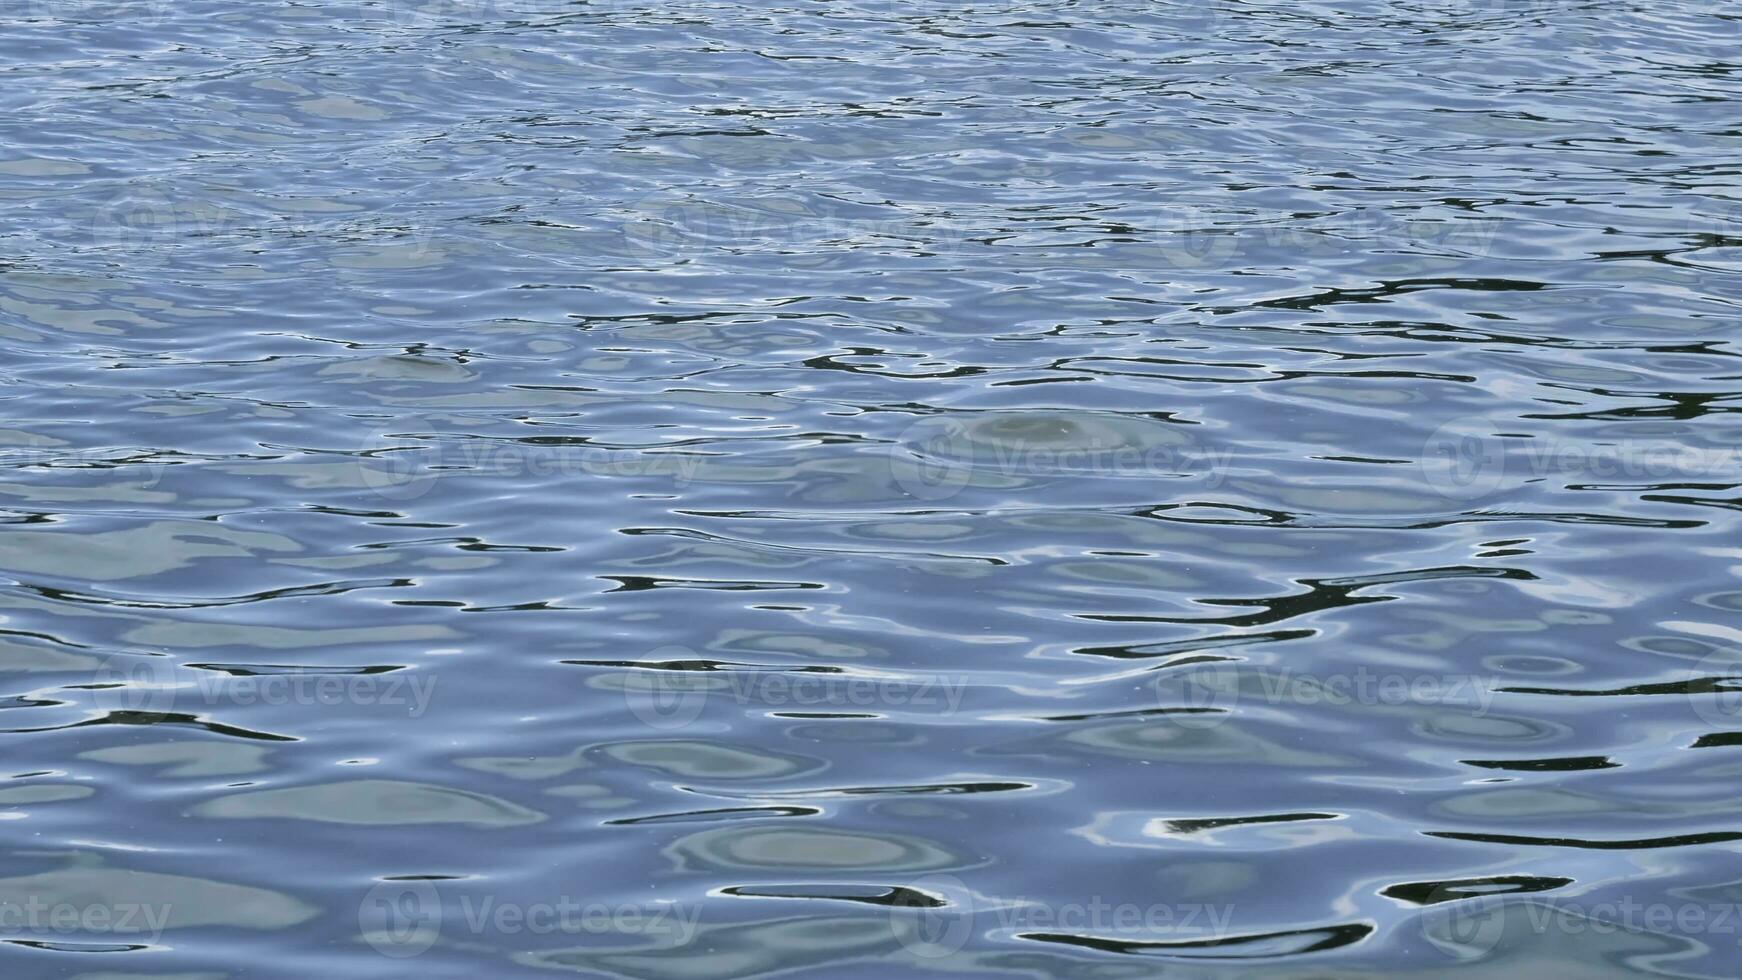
821	489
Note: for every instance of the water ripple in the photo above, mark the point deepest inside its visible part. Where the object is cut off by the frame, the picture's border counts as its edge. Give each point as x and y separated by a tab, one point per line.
717	489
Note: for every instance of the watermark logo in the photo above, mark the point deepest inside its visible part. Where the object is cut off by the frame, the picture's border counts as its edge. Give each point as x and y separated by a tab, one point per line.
404	918
147	224
662	228
816	232
937	457
663	693
1471	457
1206	234
1716	688
148	471
937	916
142	224
457	13
1468	927
670	687
1472	928
1194	235
1200	695
1203	19
933	917
135	683
1465	458
155	685
399	461
401	918
1206	694
931	458
134	13
41	918
1719	225
403	458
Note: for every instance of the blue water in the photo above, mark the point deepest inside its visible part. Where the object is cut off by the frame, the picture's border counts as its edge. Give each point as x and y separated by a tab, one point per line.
1102	490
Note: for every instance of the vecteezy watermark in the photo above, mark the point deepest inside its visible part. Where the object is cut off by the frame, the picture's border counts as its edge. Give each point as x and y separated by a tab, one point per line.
404	917
157	685
460	13
1472	928
402	458
1715	688
1183	233
1204	233
1202	19
671	687
145	468
1716	225
937	457
133	13
148	224
1474	456
405	456
1206	694
672	226
38	917
938	915
1558	25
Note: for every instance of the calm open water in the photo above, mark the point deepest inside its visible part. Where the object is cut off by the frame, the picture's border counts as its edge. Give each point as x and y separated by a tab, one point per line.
1102	490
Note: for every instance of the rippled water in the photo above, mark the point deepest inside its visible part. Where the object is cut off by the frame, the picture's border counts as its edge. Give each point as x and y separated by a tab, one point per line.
1077	489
